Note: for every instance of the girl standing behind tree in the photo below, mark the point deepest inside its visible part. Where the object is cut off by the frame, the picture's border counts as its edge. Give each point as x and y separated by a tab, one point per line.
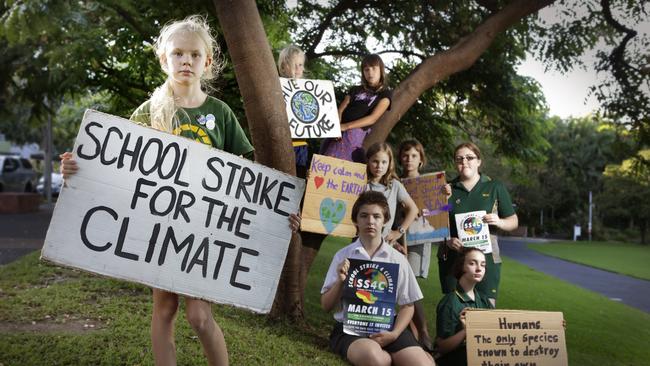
360	109
291	64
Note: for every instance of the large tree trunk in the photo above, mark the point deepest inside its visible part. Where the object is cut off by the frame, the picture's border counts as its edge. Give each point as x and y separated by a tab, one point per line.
458	58
259	85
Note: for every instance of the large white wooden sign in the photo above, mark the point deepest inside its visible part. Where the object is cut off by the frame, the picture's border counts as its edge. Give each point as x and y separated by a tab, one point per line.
171	213
311	108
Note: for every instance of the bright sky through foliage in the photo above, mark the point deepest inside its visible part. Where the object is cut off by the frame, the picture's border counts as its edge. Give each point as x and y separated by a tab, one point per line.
566	95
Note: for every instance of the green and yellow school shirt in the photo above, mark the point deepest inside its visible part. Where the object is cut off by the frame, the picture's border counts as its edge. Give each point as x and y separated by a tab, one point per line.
212	123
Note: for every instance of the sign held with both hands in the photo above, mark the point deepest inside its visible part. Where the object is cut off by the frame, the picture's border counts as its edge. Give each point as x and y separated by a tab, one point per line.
168	212
333	186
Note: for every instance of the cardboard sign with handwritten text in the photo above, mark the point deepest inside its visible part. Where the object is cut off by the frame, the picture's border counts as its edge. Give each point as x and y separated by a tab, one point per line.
514	337
333	186
428	193
168	212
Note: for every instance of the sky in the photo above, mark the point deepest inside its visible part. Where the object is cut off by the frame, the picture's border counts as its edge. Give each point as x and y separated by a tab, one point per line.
566	95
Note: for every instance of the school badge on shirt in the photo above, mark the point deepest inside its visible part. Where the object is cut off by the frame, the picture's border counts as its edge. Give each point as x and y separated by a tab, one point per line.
208	121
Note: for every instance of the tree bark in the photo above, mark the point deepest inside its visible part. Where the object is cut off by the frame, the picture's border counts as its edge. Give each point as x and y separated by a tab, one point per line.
458	58
259	85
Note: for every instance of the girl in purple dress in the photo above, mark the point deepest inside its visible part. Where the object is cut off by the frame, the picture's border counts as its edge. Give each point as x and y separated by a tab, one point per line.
361	108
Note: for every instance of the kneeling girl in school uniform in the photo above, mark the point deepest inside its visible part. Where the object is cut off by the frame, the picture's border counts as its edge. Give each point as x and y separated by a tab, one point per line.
469	270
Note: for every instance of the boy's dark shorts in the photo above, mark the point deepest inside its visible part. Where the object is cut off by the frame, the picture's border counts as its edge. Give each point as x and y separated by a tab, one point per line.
340	342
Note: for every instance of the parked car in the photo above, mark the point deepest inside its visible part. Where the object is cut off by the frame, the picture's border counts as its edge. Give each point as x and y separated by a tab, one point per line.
57	183
16	174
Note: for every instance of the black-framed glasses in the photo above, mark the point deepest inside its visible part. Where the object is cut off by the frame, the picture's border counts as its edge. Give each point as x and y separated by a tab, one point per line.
459	159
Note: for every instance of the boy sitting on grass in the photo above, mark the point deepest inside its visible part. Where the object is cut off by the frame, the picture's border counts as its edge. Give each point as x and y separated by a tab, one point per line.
399	346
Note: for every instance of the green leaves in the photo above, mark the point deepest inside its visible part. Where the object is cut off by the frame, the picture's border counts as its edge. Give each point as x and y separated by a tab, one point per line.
71	50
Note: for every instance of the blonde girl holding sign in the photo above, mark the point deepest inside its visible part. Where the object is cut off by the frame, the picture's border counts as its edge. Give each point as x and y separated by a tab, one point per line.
189	55
291	64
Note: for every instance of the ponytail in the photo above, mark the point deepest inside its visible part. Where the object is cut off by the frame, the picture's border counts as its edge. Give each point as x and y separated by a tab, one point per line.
163	109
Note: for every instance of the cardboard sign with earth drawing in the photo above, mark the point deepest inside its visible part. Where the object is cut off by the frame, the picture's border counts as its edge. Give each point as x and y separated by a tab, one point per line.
332	187
311	108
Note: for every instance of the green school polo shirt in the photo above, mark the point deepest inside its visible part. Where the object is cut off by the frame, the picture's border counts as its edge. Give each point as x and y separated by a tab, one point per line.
448	321
212	123
488	195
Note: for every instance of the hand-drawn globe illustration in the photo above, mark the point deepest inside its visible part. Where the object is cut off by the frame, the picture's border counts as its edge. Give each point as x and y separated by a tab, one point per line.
305	106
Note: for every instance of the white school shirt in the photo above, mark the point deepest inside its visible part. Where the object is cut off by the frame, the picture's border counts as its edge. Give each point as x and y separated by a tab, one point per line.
395	195
408	290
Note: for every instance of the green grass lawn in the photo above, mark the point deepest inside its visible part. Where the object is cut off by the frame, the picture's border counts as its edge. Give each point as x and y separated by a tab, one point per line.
627	259
35	294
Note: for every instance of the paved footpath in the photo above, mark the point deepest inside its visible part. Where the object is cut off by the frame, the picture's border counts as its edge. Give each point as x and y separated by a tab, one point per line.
628	290
23	233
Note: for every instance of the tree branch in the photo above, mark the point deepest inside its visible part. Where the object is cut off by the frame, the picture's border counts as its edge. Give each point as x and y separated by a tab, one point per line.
617	57
491	5
325	24
134	24
458	58
361	54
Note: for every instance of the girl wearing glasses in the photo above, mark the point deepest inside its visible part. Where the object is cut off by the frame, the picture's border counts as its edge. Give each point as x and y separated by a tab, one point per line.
473	191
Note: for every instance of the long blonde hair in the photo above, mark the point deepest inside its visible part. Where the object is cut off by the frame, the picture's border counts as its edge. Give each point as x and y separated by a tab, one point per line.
284	60
162	105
